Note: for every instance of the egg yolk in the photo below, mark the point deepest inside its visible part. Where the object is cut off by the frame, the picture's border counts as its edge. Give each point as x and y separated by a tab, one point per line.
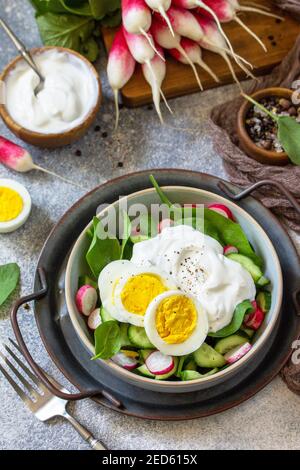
176	319
140	290
11	204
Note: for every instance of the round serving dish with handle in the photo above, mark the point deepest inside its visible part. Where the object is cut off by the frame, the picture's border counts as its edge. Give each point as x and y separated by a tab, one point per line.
183	195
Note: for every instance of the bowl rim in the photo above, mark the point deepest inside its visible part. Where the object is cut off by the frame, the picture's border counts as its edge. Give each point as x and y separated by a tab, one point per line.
268	154
165	383
11	123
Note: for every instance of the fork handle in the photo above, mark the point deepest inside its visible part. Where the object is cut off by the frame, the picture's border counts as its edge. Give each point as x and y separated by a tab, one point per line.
84	433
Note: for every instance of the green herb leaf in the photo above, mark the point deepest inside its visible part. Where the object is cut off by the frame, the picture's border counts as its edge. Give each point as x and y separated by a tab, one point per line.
107	340
238	317
9	278
102	250
289	137
104	7
127	227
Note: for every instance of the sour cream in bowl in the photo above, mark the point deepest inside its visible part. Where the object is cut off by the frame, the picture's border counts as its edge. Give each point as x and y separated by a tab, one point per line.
64	108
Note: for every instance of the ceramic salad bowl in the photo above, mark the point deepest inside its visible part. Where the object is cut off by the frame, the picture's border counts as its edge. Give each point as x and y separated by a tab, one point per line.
77	267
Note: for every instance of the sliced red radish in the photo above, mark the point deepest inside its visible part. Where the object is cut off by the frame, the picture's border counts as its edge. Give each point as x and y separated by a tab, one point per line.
254	320
159	364
128	363
86	299
221	209
229	249
237	353
94	319
166	223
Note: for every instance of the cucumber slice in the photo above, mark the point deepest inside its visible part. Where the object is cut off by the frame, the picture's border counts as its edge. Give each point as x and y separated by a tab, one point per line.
139	338
144	353
193	375
248	264
225	345
169	374
263	281
190	365
264	301
143	369
208	357
125	341
105	315
248	331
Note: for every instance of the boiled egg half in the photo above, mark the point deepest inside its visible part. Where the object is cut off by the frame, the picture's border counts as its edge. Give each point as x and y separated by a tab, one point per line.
15	205
127	290
176	323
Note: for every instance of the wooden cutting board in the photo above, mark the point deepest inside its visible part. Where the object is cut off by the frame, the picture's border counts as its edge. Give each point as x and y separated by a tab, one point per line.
279	38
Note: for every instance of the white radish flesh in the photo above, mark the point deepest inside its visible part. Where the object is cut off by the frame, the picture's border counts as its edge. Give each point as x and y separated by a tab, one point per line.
229	249
128	363
86	300
120	67
166	40
18	159
161	6
236	354
194	52
94	319
185	24
159	364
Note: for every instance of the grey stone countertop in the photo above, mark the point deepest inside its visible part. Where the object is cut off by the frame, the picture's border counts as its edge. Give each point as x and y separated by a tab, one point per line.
268	420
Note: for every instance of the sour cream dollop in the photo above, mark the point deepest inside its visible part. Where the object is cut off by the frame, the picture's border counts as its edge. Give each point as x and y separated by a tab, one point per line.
70	92
198	267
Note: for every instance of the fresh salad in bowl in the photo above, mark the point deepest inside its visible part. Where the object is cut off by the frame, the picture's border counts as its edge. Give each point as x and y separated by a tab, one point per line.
180	303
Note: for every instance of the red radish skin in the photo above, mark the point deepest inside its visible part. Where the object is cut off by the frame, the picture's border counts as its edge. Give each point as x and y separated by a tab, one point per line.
222	209
159	364
254	320
229	249
94	319
120	67
236	354
162	6
193	50
86	300
164	38
128	363
166	223
18	159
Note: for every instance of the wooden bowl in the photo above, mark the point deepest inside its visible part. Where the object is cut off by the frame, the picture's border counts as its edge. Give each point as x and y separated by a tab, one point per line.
250	148
56	139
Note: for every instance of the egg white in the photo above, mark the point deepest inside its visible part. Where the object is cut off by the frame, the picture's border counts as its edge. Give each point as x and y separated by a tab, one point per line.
191	344
112	280
12	225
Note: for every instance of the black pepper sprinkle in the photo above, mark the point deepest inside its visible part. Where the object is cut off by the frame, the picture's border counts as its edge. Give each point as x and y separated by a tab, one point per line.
97	129
278	21
104	135
274	43
271	38
120	164
150	107
78	153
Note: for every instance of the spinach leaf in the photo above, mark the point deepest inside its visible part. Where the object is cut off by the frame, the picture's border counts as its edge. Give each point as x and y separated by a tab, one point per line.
47	6
71	31
238	317
289	137
107	340
9	278
127	227
101	9
78	7
102	250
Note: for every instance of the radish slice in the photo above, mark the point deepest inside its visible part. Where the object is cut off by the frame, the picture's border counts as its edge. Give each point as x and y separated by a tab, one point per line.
94	319
229	249
128	363
255	319
86	300
159	364
166	223
237	353
221	209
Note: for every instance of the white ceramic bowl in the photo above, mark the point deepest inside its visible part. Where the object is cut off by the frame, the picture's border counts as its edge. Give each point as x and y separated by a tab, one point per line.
183	195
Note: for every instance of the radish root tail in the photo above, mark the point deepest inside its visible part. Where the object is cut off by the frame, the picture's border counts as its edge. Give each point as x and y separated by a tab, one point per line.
227	60
261	12
150	40
116	99
167	20
155	91
48	172
205	67
182	51
166	102
256	5
243	25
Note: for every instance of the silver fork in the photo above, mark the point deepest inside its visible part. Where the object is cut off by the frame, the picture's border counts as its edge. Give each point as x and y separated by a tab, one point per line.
40	401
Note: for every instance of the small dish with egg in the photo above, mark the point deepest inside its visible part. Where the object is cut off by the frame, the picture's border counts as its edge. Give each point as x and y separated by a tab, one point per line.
182	309
66	107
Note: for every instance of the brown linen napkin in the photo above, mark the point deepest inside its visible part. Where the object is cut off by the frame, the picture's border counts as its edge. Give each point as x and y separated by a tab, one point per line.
291	6
243	170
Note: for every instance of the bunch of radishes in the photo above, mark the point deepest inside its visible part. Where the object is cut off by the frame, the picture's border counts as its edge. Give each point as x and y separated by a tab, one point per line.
182	27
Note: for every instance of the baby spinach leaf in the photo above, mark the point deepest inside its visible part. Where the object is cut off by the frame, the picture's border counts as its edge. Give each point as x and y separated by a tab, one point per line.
238	317
102	8
289	137
127	227
9	278
102	250
107	340
47	6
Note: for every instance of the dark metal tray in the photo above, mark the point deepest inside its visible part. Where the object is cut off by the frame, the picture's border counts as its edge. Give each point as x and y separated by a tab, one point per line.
66	350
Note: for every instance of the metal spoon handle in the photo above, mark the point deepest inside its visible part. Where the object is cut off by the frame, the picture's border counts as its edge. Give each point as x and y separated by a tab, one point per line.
21	48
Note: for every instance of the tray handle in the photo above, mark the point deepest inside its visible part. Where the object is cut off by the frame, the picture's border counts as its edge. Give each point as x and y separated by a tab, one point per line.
34	366
246	192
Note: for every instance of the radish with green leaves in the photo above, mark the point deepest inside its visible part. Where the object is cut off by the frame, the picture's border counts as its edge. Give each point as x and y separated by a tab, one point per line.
161	6
165	39
120	67
193	50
